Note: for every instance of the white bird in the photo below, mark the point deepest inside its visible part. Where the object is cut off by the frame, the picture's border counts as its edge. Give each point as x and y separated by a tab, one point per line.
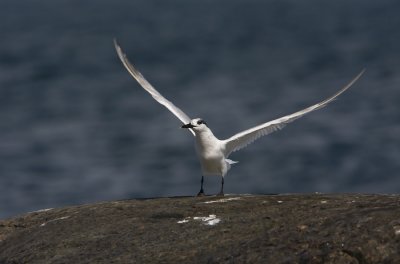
213	152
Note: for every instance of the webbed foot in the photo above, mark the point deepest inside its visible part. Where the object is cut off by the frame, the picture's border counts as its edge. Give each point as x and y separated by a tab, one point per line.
201	193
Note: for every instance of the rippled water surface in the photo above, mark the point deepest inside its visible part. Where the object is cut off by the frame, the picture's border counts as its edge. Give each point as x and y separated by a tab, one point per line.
75	128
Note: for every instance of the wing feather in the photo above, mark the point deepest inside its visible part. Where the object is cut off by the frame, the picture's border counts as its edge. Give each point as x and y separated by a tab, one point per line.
244	138
150	89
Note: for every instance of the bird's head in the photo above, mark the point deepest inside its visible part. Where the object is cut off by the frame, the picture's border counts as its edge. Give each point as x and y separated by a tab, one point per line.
196	124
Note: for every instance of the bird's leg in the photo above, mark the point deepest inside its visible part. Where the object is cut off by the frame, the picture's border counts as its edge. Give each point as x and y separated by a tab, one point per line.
221	192
201	192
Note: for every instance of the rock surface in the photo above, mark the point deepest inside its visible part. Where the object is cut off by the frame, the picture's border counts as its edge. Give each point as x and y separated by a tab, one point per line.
300	228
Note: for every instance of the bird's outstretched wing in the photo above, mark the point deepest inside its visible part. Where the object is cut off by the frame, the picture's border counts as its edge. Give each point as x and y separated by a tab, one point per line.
149	88
246	137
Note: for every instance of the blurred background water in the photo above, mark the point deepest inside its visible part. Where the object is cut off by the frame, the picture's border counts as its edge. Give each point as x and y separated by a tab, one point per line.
76	128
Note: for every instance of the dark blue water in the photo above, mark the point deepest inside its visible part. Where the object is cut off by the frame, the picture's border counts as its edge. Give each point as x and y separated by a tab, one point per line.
75	128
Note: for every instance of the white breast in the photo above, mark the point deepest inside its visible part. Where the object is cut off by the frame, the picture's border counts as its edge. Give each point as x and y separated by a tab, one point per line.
211	154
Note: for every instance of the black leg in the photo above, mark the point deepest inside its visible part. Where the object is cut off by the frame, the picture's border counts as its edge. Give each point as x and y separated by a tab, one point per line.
221	192
201	192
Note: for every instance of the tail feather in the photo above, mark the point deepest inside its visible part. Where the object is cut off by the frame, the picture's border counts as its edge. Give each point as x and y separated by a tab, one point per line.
230	162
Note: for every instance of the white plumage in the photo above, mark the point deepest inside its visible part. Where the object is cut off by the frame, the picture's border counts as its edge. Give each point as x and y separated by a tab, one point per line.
213	152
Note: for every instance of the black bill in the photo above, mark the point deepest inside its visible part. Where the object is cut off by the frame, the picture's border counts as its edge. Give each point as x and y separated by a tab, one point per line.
188	126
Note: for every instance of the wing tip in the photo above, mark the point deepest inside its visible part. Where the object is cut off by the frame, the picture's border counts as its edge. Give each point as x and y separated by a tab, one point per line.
116	45
347	86
360	74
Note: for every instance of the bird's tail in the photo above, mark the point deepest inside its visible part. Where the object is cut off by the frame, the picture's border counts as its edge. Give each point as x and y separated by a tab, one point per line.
230	162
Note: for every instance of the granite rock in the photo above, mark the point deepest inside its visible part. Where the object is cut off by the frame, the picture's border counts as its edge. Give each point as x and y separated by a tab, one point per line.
295	228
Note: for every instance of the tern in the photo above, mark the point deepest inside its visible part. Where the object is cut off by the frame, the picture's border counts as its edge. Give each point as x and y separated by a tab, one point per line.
212	152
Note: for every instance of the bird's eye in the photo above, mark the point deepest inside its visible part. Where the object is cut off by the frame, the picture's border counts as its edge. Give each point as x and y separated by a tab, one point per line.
200	122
